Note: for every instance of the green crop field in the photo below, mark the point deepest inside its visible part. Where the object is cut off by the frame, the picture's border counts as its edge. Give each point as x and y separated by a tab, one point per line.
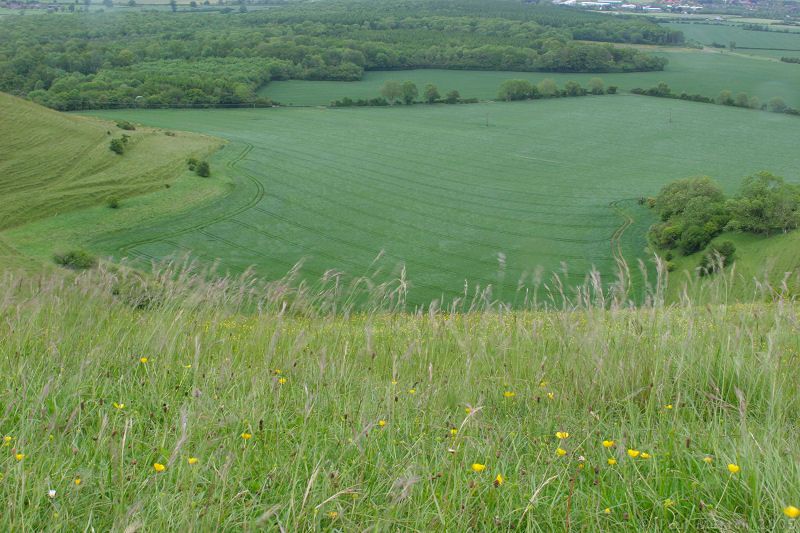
700	72
725	33
435	188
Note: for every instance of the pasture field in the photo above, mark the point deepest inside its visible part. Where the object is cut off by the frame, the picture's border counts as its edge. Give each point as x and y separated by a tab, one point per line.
55	163
185	414
434	188
725	33
705	72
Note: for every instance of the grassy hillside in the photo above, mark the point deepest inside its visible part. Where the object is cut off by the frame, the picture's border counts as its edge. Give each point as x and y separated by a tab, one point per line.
191	415
55	163
435	189
704	72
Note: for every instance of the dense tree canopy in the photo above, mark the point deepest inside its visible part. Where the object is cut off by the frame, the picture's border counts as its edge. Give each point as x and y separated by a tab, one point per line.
85	60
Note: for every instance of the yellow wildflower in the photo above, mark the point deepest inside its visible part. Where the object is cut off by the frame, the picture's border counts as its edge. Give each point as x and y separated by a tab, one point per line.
668	406
562	435
19	456
551	396
192	460
607	510
668	503
543	384
453	432
499	480
143	360
708	459
561	452
118	405
608	443
509	394
645	455
382	423
611	461
478	467
282	381
467	410
633	453
158	467
412	391
733	468
187	366
7	440
246	436
333	515
276	371
791	511
77	481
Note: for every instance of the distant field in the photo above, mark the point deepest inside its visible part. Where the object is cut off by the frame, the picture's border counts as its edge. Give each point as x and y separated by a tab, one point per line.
725	33
438	190
701	72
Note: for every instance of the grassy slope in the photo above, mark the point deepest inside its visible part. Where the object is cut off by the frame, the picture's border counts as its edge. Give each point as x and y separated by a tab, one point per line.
437	189
59	163
703	72
760	261
71	350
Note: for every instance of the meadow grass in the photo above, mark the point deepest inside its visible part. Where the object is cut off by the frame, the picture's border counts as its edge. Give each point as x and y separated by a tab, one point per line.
705	72
266	408
437	190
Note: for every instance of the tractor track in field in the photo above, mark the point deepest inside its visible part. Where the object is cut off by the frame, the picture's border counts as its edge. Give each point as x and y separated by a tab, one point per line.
252	202
616	237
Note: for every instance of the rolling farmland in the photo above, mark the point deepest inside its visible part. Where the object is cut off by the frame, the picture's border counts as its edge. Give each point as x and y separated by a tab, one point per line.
435	189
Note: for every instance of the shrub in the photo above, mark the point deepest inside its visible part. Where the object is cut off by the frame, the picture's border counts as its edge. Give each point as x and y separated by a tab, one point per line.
75	259
113	203
203	169
693	239
117	146
125	125
718	257
191	163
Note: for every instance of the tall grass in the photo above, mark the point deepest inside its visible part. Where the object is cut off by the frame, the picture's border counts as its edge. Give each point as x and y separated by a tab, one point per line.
372	416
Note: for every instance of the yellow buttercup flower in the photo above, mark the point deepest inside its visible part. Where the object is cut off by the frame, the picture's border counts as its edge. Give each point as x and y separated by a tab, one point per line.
158	467
634	453
192	460
478	467
77	481
282	381
467	410
143	360
19	456
187	366
499	480
395	382
562	435
453	432
551	396
708	459
608	443
118	405
733	468
611	461
333	515
561	452
382	423
543	384
669	503
668	406
412	391
645	455
607	510
509	394
791	511
7	440
246	436
276	371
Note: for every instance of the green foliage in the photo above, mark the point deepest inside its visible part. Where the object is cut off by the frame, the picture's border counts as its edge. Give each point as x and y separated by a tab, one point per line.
675	196
113	203
409	92
777	105
125	125
765	204
392	90
516	90
75	259
203	169
117	146
452	97
596	86
717	257
431	93
214	59
192	163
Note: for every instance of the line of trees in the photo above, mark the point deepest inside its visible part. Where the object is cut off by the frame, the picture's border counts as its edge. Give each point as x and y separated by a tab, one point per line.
406	92
725	97
98	60
791	59
695	210
511	90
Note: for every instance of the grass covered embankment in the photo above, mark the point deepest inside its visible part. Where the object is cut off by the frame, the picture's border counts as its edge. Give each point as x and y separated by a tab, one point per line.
170	408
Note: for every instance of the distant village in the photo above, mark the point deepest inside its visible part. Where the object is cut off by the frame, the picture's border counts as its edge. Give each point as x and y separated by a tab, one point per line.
687	7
